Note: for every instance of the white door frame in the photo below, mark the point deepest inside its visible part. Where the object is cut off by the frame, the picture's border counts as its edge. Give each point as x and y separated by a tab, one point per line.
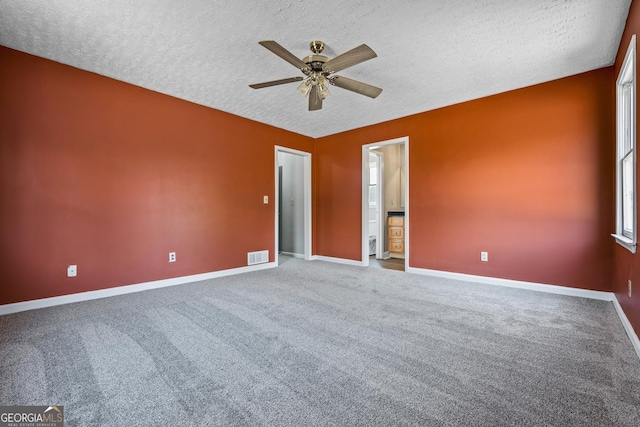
379	156
365	197
306	203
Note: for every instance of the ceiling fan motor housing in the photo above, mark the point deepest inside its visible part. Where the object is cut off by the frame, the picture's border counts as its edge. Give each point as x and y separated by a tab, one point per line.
315	62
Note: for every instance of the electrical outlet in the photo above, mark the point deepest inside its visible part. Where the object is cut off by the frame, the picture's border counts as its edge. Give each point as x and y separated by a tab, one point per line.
172	257
72	271
629	288
484	256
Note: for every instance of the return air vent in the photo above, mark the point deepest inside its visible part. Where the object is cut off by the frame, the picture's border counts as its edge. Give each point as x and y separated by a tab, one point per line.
257	257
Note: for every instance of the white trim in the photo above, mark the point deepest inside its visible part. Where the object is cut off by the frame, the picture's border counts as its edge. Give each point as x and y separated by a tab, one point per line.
338	260
633	337
291	254
406	203
625	242
379	202
626	75
538	287
364	236
553	289
307	199
127	289
365	196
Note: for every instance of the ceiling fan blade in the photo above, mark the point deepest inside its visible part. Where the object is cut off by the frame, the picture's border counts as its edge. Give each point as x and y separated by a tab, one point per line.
284	54
276	82
354	56
315	100
355	86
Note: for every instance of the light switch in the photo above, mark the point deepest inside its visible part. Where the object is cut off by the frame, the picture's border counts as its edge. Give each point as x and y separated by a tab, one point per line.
266	200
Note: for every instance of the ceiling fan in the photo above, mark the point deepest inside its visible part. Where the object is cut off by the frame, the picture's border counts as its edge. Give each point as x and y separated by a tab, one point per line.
318	70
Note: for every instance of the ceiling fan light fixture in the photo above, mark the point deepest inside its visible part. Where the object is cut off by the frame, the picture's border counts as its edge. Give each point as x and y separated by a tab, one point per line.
305	87
315	79
323	82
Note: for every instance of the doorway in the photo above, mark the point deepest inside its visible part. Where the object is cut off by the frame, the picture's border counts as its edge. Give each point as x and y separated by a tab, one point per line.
391	215
293	203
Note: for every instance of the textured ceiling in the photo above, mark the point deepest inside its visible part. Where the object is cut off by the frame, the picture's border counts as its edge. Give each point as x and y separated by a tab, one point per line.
431	53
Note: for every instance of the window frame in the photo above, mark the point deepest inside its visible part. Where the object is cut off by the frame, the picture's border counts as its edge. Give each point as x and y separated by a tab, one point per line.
625	109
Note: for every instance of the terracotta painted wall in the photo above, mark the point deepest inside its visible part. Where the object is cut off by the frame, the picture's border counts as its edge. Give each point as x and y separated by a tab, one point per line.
525	175
113	177
627	265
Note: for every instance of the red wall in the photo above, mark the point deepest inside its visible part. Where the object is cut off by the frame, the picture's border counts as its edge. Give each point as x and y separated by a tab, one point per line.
112	177
525	175
627	265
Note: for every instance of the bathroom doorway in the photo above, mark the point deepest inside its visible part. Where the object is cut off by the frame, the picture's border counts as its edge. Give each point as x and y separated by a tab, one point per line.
391	213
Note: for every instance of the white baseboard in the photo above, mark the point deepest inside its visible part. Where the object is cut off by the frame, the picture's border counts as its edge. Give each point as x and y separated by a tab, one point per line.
635	342
291	254
561	290
553	289
336	260
127	289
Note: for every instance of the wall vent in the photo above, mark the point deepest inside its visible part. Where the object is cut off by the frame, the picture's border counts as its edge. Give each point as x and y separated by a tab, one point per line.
257	257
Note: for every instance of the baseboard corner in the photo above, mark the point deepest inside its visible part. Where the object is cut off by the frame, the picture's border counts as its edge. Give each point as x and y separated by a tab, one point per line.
631	333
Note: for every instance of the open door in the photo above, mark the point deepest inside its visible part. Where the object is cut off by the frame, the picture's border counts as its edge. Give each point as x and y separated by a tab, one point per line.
376	207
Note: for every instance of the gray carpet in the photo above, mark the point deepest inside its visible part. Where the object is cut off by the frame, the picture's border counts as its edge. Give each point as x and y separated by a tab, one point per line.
313	343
